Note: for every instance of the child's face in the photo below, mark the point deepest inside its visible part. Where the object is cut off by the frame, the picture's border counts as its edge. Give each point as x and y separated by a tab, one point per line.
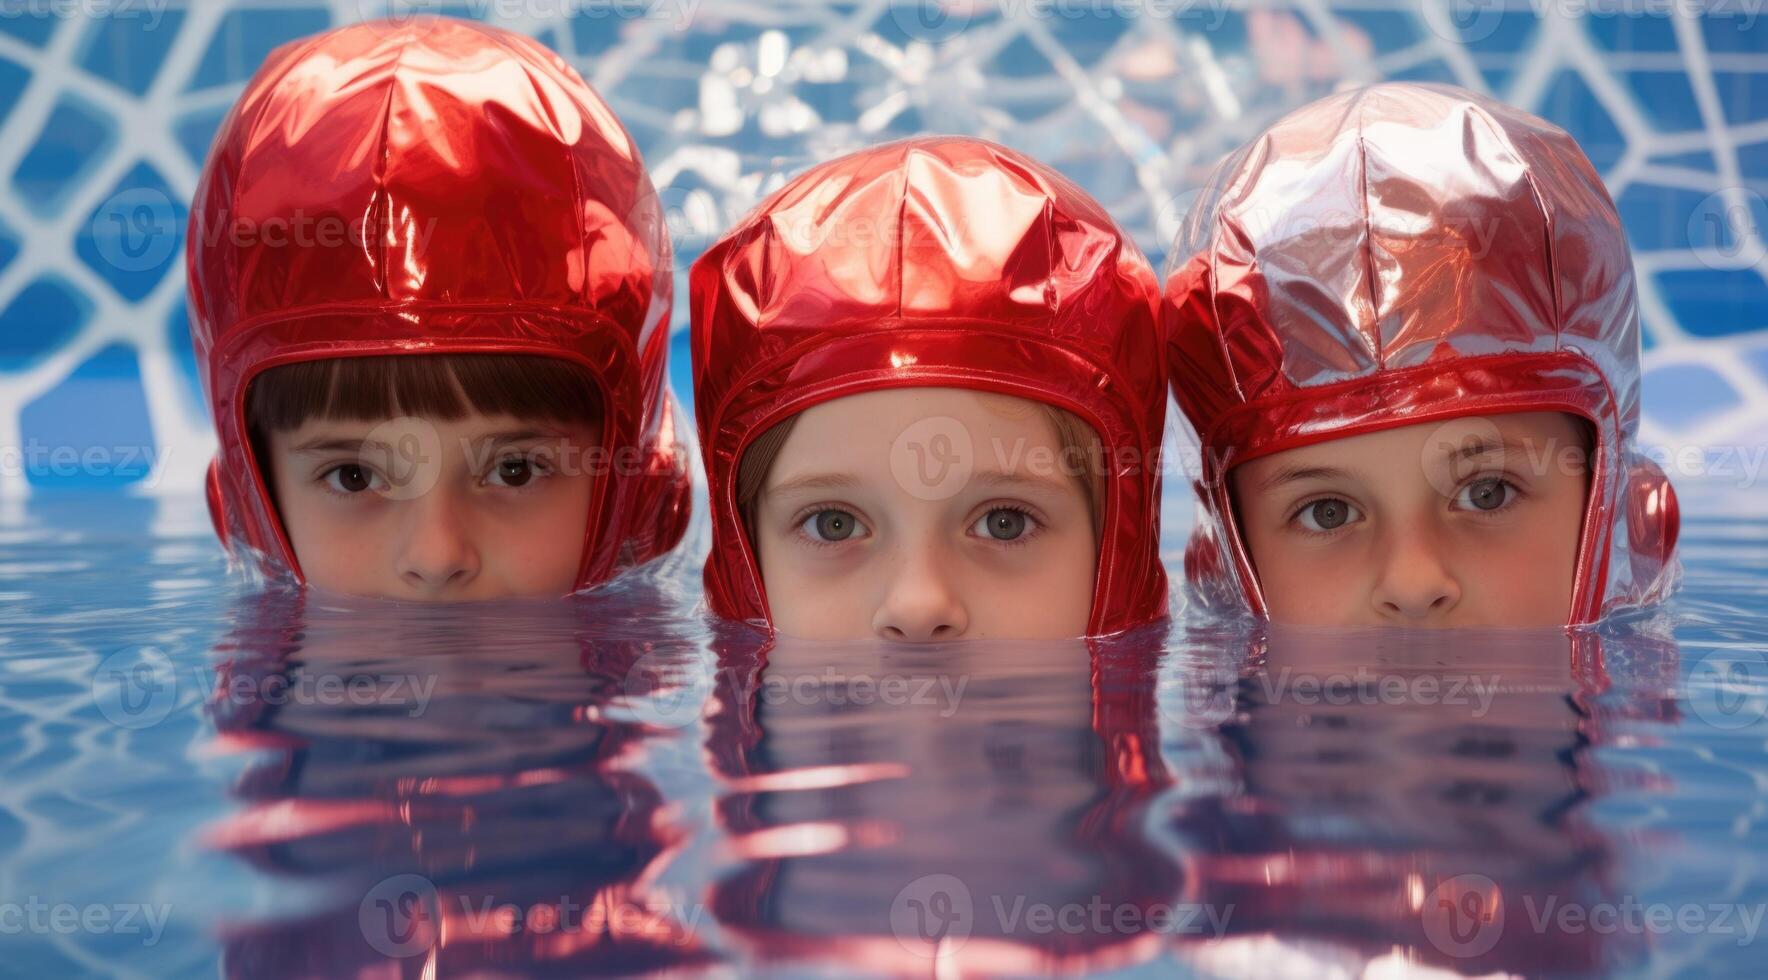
866	526
481	508
1471	522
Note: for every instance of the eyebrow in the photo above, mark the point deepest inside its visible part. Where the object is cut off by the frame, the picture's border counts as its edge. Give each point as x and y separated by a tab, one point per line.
847	481
350	444
1295	474
1488	449
816	481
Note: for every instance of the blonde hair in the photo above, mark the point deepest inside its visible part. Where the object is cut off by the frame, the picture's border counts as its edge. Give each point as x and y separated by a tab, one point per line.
1073	435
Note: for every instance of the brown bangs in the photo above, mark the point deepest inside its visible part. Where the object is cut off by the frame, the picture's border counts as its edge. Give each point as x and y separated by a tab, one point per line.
446	387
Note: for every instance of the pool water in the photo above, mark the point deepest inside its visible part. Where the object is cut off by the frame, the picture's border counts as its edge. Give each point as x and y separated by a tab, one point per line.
196	778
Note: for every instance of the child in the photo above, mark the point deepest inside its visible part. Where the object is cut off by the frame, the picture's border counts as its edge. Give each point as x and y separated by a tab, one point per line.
930	388
430	290
1404	332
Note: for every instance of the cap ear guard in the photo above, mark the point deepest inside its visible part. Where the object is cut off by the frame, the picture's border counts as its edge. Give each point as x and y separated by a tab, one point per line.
1654	520
217	508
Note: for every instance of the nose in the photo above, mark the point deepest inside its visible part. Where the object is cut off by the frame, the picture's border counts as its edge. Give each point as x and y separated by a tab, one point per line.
921	603
1416	584
438	556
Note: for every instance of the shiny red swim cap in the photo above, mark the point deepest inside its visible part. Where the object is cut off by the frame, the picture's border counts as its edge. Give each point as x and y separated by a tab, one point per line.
934	262
435	187
1400	254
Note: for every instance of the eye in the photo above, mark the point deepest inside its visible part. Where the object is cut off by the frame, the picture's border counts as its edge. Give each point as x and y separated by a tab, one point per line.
831	525
1327	515
353	478
1488	494
1004	524
516	471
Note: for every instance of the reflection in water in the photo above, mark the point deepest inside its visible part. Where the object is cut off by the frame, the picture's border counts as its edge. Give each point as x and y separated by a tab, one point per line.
969	807
446	783
602	786
1419	797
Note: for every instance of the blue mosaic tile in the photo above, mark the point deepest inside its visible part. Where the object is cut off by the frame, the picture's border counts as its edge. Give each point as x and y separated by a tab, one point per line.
13	79
184	356
1623	33
1659	218
1571	105
195	132
132	238
1665	97
8	246
32	28
1684	394
128	46
1734	28
1716	302
247	36
75	140
45	314
1744	95
91	431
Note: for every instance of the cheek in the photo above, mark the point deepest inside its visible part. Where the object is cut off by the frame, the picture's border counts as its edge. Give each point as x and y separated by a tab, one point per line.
1047	596
1307	584
539	547
815	599
1525	578
340	550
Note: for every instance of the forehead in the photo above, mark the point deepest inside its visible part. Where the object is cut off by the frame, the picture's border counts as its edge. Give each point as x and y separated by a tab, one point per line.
869	425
